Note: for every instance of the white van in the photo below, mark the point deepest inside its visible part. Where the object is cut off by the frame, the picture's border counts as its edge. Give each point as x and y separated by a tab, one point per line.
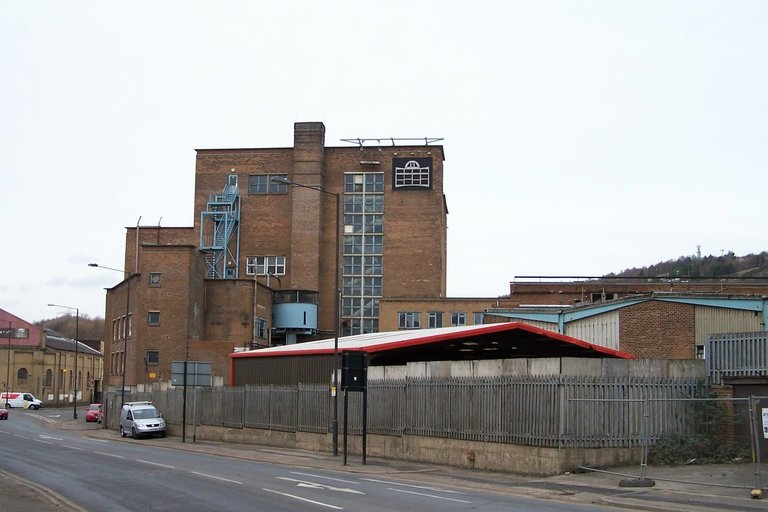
141	419
20	400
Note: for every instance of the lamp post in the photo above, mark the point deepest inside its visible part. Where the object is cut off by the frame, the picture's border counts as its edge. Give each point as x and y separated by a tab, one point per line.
337	296
127	326
8	371
77	335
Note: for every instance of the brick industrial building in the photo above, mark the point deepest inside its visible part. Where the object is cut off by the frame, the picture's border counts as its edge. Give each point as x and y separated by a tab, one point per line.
260	265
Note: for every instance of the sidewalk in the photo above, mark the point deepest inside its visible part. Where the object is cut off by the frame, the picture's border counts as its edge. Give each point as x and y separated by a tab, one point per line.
724	487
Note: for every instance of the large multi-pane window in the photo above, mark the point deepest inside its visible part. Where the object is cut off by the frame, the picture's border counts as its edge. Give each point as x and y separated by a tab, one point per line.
412	172
363	249
263	265
265	184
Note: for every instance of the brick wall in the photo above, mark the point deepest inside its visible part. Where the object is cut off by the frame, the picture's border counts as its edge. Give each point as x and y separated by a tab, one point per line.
658	330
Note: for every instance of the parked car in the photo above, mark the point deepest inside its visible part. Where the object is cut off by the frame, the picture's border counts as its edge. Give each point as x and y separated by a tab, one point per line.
141	419
3	413
94	413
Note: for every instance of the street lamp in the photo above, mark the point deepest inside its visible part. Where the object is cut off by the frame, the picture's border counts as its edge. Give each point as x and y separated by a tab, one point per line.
127	326
77	335
8	371
337	296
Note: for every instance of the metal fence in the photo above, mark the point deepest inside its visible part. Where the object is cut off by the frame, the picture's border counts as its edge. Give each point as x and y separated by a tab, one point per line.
737	355
550	411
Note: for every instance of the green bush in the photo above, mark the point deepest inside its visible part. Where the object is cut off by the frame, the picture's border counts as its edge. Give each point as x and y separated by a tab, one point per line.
694	449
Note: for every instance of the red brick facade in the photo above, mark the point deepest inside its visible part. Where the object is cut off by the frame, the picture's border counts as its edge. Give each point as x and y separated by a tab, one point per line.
192	312
658	330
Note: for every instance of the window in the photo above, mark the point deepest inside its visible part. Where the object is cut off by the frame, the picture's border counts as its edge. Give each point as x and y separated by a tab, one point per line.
458	318
21	376
435	319
408	320
412	172
363	247
153	357
261	328
155	279
477	318
263	184
153	318
263	265
48	378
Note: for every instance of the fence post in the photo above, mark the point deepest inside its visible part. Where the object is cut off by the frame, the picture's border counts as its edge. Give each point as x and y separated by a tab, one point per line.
755	442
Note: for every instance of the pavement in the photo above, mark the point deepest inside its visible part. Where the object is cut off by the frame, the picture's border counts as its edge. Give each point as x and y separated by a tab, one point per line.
690	488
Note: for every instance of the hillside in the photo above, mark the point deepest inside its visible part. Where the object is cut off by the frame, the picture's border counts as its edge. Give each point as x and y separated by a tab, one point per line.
67	325
726	265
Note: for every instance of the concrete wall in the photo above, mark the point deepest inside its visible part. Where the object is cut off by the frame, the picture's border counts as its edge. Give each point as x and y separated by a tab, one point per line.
506	458
571	366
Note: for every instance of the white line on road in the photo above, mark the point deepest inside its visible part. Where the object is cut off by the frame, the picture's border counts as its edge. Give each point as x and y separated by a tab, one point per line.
424	487
110	455
325	477
72	447
156	464
44	442
304	499
216	477
428	495
315	485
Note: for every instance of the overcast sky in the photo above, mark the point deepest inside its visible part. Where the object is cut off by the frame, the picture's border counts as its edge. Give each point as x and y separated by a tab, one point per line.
581	137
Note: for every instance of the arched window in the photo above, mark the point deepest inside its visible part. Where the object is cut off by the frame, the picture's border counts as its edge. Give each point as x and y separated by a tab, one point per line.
21	376
48	378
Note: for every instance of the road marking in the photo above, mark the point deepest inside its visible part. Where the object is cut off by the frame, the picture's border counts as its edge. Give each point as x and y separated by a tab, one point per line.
156	464
428	495
51	437
44	442
72	447
216	477
304	499
110	455
325	477
424	487
315	485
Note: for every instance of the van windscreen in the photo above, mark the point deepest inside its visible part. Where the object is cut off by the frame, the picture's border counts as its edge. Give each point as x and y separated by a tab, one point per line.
145	414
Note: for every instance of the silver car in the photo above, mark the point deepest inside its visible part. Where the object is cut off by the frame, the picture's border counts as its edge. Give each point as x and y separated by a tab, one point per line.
141	419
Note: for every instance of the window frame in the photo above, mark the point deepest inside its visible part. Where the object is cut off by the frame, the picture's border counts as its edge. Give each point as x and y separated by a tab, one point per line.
153	318
435	319
149	361
263	184
409	320
253	264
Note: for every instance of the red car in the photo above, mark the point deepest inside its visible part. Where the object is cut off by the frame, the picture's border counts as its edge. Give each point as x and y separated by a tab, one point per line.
94	413
3	413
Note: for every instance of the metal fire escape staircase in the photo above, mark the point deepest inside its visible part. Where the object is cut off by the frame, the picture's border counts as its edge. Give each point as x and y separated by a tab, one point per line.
220	232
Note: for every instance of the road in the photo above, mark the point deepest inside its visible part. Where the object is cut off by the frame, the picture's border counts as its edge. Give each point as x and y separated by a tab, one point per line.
117	475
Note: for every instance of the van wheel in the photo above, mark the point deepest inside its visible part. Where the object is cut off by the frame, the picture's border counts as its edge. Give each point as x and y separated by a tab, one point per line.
133	433
122	431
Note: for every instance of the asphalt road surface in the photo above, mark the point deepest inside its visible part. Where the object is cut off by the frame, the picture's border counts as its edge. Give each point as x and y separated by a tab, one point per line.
99	474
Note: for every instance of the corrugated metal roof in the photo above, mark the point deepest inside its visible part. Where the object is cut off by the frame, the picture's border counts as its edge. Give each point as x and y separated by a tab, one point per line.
59	342
486	341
